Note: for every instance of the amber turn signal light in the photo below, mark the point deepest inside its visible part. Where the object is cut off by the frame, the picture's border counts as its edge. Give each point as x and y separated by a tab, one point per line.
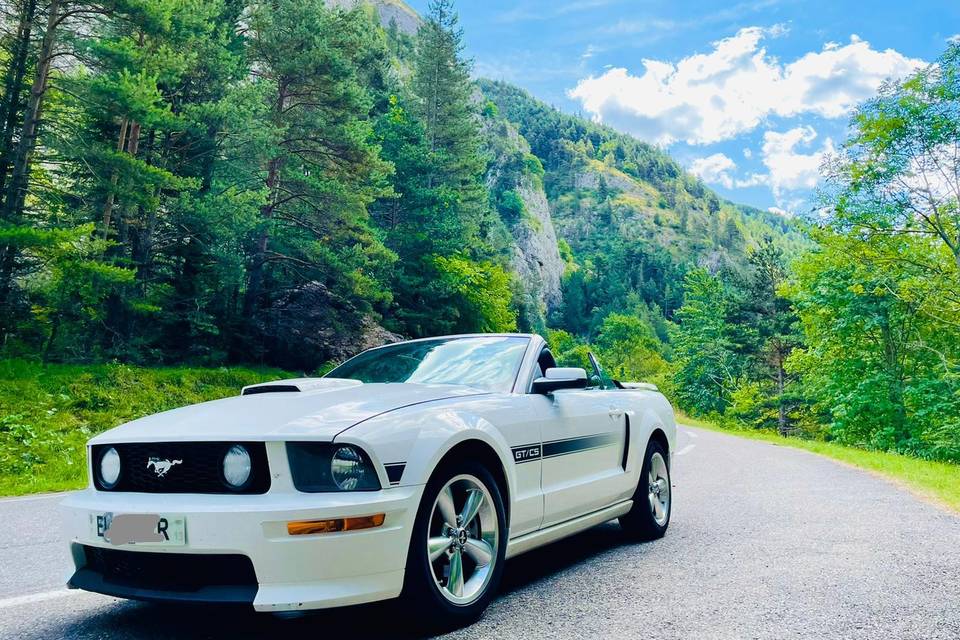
308	527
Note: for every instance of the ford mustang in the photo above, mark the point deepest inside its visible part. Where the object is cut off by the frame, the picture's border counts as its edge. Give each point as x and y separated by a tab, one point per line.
412	470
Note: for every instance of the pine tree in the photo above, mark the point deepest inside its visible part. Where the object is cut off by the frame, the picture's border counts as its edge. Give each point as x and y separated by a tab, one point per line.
320	172
441	82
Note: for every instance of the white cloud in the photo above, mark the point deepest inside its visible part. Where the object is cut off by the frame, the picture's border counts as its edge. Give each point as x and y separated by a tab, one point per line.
954	39
709	97
789	168
793	165
781	212
747	153
714	169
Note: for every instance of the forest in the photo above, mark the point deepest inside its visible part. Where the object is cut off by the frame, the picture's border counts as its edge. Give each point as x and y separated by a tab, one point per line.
284	183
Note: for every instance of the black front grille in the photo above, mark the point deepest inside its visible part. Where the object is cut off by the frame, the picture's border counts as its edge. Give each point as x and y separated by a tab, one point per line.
181	572
195	467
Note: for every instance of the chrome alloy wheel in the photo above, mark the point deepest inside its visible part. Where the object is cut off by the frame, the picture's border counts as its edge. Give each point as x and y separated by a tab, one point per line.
462	539
659	489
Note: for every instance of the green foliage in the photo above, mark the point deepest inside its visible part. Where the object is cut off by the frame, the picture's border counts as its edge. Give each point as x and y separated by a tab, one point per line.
511	206
481	295
707	365
631	351
878	367
438	220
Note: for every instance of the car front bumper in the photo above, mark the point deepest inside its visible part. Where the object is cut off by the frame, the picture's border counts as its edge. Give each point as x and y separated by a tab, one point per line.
291	572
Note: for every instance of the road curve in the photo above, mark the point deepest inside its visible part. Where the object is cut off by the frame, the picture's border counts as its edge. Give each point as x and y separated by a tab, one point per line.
766	542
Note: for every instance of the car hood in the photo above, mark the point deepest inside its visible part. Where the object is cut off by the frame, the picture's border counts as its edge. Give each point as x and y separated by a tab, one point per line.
321	411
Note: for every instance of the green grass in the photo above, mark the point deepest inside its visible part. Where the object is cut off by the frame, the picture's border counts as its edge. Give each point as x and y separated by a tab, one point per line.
935	481
47	413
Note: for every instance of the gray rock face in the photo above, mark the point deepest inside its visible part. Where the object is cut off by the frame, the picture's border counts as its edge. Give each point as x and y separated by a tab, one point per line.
407	20
536	258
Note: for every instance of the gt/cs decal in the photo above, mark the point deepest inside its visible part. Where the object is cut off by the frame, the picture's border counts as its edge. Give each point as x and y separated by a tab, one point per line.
526	453
555	448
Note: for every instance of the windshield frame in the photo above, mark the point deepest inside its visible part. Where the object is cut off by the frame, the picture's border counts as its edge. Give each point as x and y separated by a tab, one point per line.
522	363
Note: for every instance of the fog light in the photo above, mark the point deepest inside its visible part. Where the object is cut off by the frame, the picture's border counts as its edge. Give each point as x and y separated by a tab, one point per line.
308	527
237	466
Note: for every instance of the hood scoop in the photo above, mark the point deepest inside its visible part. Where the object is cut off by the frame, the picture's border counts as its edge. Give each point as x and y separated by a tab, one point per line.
298	385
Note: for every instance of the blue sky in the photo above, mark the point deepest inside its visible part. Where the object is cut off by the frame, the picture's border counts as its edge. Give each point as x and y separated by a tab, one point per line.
749	95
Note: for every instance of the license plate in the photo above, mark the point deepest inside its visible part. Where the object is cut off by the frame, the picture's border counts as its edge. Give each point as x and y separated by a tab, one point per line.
143	529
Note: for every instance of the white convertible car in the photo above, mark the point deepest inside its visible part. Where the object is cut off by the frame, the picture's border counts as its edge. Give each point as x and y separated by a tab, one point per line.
414	469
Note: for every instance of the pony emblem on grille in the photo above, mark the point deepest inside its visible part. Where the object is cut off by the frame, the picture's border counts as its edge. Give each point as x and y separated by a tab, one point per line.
160	467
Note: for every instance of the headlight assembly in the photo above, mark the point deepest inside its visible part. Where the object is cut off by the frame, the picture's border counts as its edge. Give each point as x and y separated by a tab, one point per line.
109	468
319	467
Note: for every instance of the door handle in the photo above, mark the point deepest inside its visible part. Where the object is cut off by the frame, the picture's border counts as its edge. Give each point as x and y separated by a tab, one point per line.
616	413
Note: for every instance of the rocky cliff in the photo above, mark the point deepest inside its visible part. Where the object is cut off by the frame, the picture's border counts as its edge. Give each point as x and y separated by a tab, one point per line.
515	178
396	11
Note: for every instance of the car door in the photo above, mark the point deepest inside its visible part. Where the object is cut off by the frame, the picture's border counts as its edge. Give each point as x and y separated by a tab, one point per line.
584	435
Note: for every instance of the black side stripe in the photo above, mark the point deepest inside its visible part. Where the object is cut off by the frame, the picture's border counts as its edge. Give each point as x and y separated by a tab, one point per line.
395	471
555	448
575	445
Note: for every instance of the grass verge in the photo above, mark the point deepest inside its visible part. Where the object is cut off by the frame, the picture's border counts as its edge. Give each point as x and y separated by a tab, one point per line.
47	413
935	481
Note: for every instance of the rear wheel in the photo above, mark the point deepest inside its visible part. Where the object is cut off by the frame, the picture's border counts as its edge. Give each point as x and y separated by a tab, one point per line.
649	517
457	548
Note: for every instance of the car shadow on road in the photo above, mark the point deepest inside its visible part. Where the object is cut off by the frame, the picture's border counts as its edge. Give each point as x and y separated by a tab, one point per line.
381	620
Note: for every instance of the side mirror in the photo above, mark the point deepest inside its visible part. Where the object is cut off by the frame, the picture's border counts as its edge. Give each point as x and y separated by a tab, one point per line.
560	378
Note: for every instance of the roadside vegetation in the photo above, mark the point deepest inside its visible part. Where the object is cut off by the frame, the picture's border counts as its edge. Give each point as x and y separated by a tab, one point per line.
47	413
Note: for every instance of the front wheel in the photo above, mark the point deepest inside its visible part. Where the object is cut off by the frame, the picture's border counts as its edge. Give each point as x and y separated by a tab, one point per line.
458	547
649	517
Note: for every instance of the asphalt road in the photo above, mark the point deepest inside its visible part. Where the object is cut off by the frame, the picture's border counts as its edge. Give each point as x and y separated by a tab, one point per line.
765	542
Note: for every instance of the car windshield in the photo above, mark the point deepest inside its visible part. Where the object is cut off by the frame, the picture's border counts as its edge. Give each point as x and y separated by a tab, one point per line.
489	363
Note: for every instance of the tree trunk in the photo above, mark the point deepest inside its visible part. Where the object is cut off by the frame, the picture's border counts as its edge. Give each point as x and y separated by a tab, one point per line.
114	177
13	86
782	425
17	189
8	263
54	330
895	373
12	200
255	280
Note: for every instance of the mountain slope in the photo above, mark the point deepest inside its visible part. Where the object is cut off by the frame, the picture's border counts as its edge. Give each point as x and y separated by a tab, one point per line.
628	211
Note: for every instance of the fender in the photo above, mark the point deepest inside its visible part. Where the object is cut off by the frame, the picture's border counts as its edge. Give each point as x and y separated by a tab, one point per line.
644	419
418	437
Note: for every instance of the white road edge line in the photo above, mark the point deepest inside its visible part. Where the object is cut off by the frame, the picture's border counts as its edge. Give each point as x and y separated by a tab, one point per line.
686	449
37	597
46	496
693	434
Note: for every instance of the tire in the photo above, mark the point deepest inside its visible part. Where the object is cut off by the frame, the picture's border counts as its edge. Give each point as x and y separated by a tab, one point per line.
649	517
431	588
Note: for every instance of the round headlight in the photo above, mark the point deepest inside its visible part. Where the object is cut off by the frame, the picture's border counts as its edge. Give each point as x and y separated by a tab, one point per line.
237	466
348	469
109	468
